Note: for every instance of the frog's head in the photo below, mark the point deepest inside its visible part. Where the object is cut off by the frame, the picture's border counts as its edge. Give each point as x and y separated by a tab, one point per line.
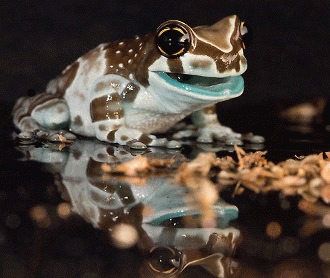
204	62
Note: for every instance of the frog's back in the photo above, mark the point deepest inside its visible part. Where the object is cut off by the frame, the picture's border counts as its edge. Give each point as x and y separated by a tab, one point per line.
75	83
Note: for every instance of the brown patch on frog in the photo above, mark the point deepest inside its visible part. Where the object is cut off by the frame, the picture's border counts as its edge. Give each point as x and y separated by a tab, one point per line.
130	92
147	56
106	107
135	57
225	61
95	172
197	64
222	34
116	56
103	128
124	138
63	81
125	194
60	110
145	139
76	154
100	86
111	151
77	121
175	65
210	110
111	135
79	95
116	126
101	156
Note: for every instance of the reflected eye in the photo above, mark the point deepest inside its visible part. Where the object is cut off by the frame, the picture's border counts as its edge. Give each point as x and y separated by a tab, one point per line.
165	260
247	35
172	40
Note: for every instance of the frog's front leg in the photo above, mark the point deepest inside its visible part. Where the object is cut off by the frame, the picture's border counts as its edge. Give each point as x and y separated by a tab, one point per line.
207	129
109	120
42	114
210	129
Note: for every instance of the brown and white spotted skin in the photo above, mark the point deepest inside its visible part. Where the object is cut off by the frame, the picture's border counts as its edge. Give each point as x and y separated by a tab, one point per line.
122	92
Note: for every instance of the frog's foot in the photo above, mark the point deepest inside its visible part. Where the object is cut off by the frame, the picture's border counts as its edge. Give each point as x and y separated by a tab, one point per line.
218	133
158	142
210	133
252	138
133	138
61	136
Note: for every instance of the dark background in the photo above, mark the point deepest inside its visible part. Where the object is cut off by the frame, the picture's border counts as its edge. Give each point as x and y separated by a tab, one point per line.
288	60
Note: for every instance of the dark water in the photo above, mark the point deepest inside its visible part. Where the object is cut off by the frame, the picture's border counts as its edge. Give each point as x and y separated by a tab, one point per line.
266	236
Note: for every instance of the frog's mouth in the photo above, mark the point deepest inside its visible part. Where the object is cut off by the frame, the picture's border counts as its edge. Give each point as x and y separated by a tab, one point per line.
229	86
196	80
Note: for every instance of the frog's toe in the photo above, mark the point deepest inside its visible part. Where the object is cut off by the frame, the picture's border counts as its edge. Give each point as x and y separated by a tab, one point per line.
68	135
205	138
226	134
233	141
25	135
158	142
26	138
184	134
163	142
57	136
137	145
252	138
173	144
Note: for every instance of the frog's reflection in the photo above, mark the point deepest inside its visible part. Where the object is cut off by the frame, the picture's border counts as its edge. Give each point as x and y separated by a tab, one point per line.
152	213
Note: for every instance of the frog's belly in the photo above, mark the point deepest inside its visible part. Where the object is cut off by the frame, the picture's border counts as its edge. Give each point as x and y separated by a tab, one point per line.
149	122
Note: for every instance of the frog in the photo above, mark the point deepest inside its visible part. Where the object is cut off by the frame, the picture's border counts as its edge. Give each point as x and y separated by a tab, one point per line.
124	92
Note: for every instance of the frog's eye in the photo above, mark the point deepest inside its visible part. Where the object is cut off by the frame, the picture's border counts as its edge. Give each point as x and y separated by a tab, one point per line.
165	260
172	40
246	33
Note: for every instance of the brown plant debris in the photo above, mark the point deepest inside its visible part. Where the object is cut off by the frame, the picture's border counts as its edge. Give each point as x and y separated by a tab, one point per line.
208	174
193	175
140	166
307	176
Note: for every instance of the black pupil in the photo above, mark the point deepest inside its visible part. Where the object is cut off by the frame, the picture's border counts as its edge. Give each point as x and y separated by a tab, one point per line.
172	43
